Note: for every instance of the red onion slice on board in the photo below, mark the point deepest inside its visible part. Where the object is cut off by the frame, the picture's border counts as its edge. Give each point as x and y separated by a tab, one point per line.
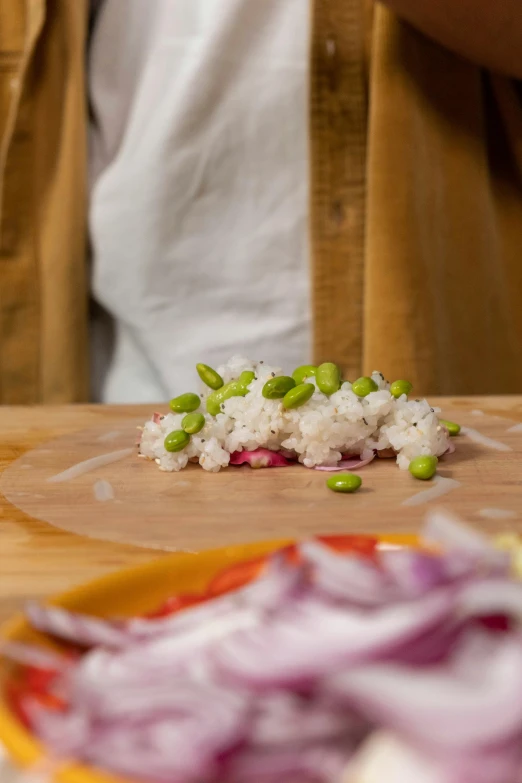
355	463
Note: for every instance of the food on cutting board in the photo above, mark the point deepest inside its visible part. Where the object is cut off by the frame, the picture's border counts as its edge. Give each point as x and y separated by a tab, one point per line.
331	661
249	412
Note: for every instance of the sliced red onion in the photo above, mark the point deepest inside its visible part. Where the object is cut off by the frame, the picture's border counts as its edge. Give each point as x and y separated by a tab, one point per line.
67	733
319	763
287	718
281	680
260	458
491	597
182	740
436	708
309	639
30	655
277	583
413	573
355	463
157	417
448	532
164	653
432	647
352	579
80	629
402	574
488	764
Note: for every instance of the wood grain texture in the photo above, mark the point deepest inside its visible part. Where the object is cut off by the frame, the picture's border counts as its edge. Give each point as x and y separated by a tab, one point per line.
338	116
37	559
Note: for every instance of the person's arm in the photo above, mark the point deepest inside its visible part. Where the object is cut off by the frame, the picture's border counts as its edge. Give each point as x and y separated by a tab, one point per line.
488	32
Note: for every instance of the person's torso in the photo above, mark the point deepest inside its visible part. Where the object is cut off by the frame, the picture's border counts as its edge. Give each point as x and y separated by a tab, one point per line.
199	198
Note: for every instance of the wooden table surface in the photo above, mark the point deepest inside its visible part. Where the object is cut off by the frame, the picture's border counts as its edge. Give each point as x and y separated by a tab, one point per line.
37	559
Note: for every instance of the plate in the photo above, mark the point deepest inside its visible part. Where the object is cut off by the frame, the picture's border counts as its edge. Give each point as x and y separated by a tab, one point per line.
126	593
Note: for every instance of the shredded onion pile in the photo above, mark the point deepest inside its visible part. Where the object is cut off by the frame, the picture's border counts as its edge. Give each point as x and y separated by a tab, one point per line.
291	677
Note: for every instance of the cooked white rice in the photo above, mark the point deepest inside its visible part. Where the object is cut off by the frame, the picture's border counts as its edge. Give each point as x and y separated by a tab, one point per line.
318	433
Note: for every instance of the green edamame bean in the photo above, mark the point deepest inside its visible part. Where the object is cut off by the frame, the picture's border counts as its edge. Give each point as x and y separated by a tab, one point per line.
193	423
398	388
328	378
364	386
246	377
185	403
451	426
423	468
298	396
217	398
177	440
209	376
344	482
300	374
276	388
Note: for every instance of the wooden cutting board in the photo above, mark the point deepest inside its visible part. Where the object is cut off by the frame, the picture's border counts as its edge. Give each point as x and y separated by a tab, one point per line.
143	511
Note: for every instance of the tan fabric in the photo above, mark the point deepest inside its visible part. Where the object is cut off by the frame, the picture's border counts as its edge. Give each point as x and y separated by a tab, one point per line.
416	205
43	297
437	287
443	269
338	154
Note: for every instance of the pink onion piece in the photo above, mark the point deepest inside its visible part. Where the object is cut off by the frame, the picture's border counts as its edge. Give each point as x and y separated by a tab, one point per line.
278	584
77	628
277	656
308	763
400	575
260	458
355	463
140	742
354	580
67	733
291	718
448	532
439	706
30	655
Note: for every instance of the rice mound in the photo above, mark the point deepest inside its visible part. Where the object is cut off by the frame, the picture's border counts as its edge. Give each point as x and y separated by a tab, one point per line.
318	433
